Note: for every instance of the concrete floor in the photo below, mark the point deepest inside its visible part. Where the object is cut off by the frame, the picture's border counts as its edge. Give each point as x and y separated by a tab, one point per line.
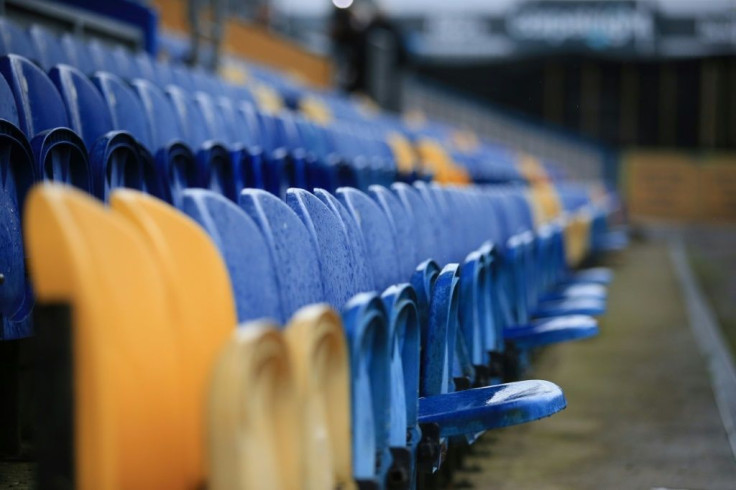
641	413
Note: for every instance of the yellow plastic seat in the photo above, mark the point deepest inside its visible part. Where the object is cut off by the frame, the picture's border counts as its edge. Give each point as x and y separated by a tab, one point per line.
129	431
438	162
254	414
404	154
315	110
267	98
199	298
321	366
577	237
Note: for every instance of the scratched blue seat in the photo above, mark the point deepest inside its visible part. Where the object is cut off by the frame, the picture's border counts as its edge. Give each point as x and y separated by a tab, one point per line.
212	157
466	326
299	278
17	174
241	119
537	289
47	47
173	156
466	412
562	302
478	325
115	153
511	294
345	273
59	153
127	119
244	250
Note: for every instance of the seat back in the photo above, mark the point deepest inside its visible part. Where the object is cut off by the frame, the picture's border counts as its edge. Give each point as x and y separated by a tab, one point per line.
328	238
292	253
419	215
163	125
200	301
378	238
86	111
126	413
404	230
322	370
254	414
39	105
189	117
439	221
47	47
213	121
126	109
244	250
362	273
58	153
17	175
77	53
14	40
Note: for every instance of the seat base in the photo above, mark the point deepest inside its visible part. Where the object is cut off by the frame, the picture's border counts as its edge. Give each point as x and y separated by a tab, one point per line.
472	411
570	306
582	290
552	331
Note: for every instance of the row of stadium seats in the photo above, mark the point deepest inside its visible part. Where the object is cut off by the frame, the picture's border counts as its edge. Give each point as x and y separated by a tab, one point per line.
397	370
377	313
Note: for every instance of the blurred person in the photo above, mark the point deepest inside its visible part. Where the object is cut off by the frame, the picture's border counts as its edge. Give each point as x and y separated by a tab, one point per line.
384	58
346	33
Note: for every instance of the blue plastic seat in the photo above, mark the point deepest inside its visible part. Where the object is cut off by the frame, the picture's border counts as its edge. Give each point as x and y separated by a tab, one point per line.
246	149
290	249
173	156
337	241
59	154
380	243
440	340
101	56
116	153
219	169
283	162
144	68
17	174
402	227
330	240
47	47
244	250
227	159
299	274
14	40
77	53
121	63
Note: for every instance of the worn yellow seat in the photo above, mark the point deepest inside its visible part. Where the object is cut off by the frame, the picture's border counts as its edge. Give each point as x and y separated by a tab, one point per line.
128	419
319	353
254	414
199	298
